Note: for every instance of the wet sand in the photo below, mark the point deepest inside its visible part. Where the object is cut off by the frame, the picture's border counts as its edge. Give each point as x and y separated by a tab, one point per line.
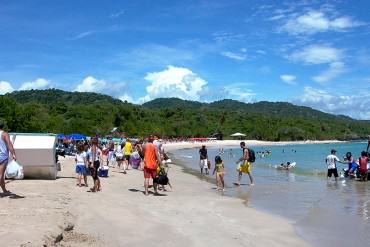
59	213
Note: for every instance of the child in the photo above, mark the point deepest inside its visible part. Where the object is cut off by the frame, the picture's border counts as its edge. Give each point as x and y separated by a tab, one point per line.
81	165
220	172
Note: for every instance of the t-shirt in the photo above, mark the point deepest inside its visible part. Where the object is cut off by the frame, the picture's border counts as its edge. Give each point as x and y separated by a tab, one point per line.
127	148
331	160
203	153
80	158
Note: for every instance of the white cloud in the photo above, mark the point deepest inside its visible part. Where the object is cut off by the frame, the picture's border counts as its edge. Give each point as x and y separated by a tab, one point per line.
223	36
317	54
83	35
174	82
354	105
316	21
5	87
235	56
116	15
126	97
238	91
288	79
91	84
335	69
39	83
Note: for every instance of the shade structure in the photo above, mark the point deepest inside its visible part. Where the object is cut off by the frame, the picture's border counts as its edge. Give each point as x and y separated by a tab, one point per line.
77	137
60	136
237	134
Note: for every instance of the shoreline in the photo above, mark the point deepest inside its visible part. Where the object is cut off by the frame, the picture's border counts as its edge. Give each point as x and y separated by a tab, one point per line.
232	143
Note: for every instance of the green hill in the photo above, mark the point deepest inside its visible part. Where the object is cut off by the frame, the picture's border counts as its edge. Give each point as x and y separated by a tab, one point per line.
58	111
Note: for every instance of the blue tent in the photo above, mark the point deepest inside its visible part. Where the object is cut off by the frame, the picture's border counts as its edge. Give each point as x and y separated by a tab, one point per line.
77	137
60	136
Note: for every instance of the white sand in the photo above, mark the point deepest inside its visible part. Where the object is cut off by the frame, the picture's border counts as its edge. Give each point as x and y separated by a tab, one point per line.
193	214
228	143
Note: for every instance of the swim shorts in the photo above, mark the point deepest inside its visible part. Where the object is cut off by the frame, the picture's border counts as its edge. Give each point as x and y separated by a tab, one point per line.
246	167
150	173
333	171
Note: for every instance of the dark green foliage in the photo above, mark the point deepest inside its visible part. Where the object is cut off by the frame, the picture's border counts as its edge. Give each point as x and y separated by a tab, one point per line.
90	113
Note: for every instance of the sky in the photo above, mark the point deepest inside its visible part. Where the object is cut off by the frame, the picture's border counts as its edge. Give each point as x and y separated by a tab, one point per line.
311	53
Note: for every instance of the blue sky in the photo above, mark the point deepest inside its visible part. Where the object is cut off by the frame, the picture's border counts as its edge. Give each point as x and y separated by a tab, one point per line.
313	53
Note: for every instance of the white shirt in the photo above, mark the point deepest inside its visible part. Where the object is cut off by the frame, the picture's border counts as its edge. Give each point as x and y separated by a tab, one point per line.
80	158
331	160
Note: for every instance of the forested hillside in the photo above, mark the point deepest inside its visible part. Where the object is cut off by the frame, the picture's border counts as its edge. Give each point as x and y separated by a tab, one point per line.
58	111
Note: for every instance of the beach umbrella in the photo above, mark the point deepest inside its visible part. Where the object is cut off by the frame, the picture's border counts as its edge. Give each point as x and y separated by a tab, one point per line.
237	135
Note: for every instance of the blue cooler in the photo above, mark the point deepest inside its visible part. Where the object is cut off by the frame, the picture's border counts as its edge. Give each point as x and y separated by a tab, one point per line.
103	172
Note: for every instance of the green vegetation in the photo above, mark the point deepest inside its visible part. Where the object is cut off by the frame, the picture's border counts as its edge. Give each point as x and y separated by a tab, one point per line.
58	111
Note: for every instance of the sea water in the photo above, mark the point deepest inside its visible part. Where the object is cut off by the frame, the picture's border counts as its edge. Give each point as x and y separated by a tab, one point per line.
324	212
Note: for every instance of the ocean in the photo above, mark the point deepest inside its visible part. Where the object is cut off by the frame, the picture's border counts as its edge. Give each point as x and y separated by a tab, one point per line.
323	212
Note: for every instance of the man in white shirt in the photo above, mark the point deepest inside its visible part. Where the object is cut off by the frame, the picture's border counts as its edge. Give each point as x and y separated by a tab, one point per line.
331	161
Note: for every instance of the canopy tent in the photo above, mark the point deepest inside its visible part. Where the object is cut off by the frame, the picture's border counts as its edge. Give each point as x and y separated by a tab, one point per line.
237	134
77	137
60	136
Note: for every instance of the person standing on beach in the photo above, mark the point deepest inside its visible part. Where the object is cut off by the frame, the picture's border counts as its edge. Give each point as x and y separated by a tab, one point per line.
331	161
151	161
127	150
203	156
81	165
95	159
246	166
6	146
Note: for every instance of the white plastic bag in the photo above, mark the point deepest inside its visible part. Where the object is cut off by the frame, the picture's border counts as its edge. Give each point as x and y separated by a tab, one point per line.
14	170
20	174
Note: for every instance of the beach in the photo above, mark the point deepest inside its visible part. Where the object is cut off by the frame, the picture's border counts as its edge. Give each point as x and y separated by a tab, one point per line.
57	212
235	143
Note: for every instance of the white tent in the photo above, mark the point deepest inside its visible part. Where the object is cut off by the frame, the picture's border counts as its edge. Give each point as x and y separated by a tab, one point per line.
36	153
237	134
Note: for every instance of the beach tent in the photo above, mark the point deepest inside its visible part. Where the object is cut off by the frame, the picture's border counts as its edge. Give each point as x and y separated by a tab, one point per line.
36	153
76	137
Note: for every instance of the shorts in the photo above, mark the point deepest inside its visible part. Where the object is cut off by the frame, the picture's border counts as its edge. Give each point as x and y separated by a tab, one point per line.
81	169
203	164
150	173
127	157
5	162
246	167
333	171
119	157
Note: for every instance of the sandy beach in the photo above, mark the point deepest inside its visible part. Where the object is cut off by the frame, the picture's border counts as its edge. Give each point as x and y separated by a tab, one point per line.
59	213
235	143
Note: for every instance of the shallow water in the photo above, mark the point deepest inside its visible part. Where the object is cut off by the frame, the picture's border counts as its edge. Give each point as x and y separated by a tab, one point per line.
324	212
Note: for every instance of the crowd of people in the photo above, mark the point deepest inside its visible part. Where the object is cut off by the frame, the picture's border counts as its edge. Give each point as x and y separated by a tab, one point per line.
94	158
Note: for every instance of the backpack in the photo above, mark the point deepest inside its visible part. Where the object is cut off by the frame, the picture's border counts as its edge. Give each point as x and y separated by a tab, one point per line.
251	155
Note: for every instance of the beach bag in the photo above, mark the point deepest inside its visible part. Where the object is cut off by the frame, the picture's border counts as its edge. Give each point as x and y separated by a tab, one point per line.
163	179
251	155
209	164
14	170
